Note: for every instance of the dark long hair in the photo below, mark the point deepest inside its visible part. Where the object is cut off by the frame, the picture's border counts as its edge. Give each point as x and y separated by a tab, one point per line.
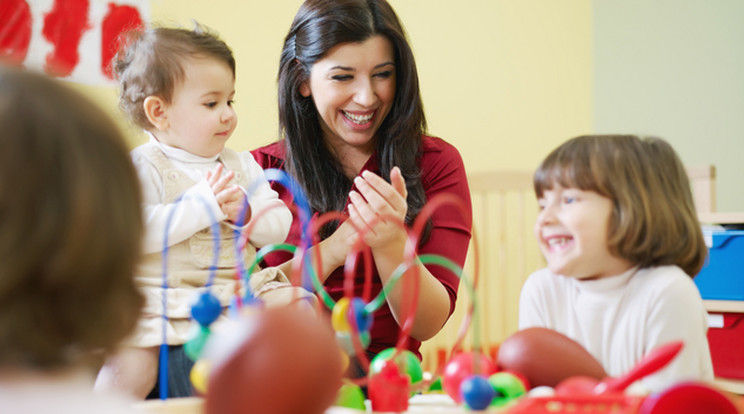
319	26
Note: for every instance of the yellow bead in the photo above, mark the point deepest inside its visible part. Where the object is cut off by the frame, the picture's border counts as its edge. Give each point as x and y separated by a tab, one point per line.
344	361
339	316
199	376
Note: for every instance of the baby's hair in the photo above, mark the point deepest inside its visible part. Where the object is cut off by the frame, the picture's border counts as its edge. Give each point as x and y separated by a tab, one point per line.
71	226
150	63
653	221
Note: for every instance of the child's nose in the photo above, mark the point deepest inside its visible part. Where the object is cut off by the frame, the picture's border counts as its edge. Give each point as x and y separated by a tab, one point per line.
228	114
546	215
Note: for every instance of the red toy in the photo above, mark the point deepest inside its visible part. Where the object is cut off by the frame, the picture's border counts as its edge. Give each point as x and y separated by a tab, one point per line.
277	360
464	365
546	357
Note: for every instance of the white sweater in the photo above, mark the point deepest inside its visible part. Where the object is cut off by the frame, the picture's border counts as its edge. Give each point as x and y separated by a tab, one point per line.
621	318
191	215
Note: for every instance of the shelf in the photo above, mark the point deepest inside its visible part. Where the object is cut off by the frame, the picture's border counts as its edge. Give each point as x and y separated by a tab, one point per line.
730	306
735	386
721	218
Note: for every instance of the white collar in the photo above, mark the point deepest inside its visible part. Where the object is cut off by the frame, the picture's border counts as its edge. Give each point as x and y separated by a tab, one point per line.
607	284
182	155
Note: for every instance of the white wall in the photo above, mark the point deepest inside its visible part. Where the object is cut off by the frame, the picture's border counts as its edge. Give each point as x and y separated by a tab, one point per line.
675	69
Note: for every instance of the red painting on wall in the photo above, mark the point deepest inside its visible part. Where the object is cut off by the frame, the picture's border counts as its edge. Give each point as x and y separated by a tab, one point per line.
69	39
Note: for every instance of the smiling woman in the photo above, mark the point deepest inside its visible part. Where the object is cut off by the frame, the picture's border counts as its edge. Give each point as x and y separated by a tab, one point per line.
353	129
353	88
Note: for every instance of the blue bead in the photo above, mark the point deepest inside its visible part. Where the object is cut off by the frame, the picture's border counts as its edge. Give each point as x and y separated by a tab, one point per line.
363	319
477	392
206	309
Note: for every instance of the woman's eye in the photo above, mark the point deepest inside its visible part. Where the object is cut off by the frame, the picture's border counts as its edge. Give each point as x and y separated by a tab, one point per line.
386	74
342	77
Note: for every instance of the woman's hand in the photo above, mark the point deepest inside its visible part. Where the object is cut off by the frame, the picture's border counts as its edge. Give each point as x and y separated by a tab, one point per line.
385	237
337	246
379	208
382	207
229	196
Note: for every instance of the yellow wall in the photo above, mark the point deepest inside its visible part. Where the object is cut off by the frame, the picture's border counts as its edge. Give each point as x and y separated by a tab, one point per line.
505	81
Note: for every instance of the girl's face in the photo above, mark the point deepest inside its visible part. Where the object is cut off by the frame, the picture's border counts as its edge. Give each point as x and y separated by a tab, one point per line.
353	87
200	117
572	231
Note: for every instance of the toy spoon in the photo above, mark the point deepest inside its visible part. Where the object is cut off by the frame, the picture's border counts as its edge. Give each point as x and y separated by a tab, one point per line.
652	362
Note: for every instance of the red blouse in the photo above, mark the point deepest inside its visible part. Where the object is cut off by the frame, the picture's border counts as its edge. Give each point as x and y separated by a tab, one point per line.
442	172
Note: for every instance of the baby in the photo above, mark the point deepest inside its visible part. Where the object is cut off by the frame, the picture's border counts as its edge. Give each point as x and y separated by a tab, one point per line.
179	86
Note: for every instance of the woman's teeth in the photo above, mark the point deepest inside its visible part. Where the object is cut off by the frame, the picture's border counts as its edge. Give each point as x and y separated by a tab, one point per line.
358	119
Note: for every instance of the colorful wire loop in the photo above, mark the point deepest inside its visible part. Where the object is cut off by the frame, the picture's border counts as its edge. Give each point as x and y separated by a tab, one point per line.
357	313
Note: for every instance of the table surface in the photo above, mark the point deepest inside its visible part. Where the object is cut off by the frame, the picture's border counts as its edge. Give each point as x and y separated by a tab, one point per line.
426	403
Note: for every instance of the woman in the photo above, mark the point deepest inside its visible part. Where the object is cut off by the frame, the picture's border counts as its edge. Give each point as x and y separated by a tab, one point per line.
353	124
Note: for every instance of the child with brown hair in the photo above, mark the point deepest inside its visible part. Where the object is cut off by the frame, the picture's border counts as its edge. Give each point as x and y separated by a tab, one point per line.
619	231
71	236
178	85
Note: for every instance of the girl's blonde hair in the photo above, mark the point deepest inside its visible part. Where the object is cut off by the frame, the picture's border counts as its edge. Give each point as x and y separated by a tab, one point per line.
653	220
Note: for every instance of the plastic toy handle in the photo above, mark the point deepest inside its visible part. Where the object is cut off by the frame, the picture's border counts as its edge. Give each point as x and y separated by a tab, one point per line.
652	362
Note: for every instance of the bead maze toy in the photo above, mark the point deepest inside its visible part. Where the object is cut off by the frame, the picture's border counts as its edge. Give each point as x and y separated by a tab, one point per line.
268	359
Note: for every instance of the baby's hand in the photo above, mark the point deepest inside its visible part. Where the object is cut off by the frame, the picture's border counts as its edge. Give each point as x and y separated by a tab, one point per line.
229	196
218	179
234	200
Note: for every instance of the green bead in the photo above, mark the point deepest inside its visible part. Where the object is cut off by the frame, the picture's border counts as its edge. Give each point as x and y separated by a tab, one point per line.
350	396
198	336
406	361
508	387
436	386
345	341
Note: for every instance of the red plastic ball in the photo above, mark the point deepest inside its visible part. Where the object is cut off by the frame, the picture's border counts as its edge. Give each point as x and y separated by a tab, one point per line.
464	365
278	360
689	397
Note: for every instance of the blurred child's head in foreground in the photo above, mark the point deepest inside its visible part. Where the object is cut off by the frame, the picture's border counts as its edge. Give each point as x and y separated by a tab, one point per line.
71	226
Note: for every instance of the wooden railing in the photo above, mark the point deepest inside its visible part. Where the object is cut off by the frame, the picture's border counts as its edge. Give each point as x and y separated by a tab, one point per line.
504	213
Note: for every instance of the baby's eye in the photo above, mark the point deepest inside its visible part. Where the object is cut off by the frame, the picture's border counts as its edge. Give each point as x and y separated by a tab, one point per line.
210	104
230	102
541	205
